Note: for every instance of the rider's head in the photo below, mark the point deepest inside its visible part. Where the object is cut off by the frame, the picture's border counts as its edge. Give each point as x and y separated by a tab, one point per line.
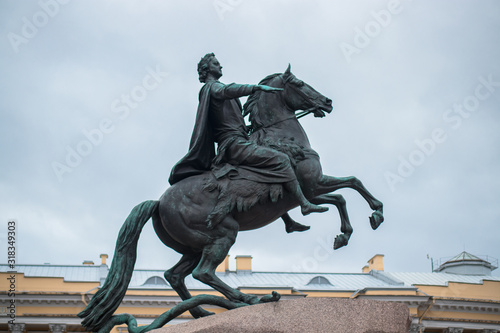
203	66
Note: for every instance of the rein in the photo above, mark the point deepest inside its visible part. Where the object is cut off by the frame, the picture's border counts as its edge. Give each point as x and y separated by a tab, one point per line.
277	122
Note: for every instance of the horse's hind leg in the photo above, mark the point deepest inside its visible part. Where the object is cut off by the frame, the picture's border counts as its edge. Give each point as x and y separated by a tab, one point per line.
214	254
345	227
176	275
330	184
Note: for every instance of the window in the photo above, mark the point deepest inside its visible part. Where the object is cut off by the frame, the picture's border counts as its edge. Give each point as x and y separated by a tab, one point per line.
319	280
155	280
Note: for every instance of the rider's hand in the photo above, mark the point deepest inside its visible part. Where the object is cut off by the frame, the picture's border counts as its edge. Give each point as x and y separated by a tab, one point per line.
267	88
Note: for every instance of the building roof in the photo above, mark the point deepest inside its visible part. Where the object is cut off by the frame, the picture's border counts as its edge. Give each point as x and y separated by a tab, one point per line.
300	281
465	256
296	280
437	279
466	263
70	273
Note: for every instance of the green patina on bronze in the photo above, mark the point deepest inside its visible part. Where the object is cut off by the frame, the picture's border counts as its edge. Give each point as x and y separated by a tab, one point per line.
257	175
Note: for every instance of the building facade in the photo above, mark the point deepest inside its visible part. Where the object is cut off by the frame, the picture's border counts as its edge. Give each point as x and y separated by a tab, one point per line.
48	297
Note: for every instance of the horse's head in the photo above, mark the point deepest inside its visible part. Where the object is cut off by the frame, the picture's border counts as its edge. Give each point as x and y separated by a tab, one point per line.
298	95
266	109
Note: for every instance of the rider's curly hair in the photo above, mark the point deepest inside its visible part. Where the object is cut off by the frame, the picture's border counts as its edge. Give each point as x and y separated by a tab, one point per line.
203	67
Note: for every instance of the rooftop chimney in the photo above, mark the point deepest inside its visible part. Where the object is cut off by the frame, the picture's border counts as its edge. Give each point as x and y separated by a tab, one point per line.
103	258
244	264
224	266
375	263
88	262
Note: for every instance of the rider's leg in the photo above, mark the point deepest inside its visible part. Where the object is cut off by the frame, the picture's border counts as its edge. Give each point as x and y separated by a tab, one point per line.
291	225
250	154
305	206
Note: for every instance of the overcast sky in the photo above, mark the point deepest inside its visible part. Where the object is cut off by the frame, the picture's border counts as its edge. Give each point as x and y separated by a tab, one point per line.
98	100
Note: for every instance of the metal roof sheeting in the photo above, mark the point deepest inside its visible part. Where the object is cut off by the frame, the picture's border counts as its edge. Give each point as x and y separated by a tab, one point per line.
81	273
299	281
438	279
339	281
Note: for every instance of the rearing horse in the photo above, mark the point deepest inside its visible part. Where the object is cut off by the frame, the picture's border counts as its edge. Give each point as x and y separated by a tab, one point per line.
273	120
180	216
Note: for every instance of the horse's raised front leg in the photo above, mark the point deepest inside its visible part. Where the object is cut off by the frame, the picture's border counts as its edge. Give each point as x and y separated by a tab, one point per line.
330	184
345	227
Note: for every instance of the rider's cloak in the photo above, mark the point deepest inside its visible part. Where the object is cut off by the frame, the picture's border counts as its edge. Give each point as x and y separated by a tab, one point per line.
201	148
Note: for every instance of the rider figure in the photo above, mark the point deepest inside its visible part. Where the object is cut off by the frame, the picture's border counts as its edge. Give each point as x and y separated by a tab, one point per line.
220	120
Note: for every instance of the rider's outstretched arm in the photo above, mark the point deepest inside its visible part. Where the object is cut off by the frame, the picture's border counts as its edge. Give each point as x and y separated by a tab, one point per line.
234	90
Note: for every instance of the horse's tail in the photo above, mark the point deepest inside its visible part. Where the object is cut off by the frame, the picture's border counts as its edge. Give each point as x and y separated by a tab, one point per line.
108	298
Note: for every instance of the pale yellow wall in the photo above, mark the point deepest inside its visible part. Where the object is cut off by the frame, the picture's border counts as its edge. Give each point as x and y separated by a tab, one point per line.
489	290
390	293
413	311
259	291
244	263
328	294
224	266
47	310
26	284
459	315
376	262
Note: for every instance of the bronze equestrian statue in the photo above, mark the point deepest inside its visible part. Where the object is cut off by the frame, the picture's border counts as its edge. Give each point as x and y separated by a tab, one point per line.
258	174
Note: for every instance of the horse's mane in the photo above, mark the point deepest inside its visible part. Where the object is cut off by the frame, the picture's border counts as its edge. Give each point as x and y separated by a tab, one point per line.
250	106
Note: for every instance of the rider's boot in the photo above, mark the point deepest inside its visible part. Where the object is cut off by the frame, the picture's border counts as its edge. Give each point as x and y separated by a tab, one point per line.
308	208
292	226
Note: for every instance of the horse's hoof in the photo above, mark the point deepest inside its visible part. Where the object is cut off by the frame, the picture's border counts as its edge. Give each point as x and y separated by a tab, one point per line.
376	219
199	312
340	241
250	299
270	298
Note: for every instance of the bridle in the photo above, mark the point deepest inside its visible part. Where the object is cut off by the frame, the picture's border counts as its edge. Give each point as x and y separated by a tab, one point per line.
295	115
301	94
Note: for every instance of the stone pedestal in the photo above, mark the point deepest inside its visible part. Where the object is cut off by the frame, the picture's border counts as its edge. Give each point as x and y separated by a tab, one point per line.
305	315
